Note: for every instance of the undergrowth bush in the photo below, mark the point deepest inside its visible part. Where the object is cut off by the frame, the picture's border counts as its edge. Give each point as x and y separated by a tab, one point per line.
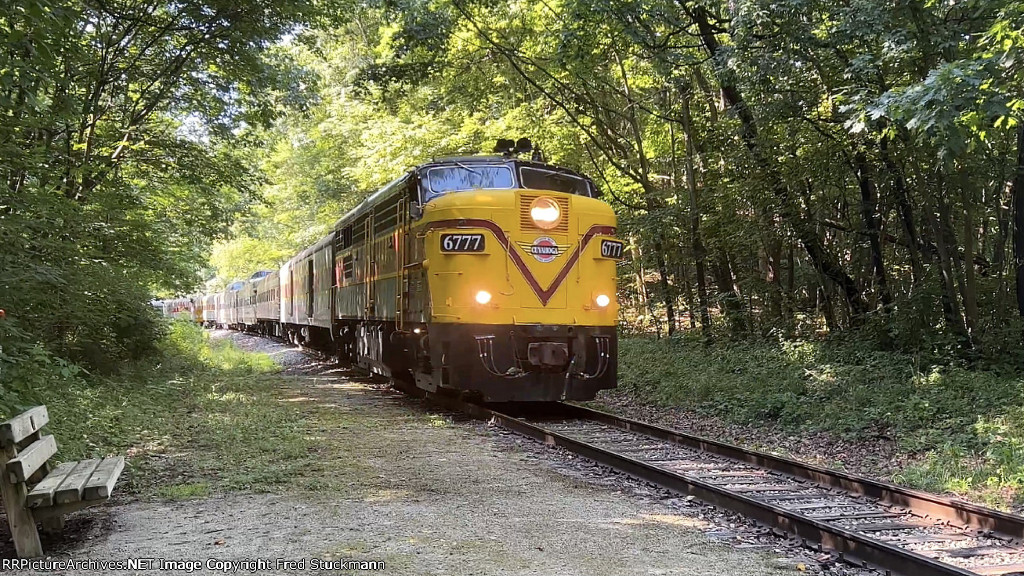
205	404
28	369
971	420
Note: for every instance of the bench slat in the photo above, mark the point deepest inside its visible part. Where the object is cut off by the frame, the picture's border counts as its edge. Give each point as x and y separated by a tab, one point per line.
70	489
23	425
103	478
42	494
31	459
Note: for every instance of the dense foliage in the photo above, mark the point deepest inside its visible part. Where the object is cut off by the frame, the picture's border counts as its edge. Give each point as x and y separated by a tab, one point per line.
793	168
125	143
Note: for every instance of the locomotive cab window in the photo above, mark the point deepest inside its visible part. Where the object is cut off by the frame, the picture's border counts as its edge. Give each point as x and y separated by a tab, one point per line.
441	180
538	179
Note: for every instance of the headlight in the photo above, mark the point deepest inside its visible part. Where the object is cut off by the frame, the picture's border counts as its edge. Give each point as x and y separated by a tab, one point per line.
603	301
545	213
483	297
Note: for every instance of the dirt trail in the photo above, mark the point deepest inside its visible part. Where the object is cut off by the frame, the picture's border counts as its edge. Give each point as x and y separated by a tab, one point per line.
427	494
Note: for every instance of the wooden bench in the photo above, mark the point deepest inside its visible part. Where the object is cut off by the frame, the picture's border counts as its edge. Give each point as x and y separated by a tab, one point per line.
33	492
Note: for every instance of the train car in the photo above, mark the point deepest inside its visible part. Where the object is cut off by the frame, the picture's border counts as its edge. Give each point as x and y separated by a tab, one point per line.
268	304
247	305
307	280
180	308
210	305
287	313
227	296
223	309
197	308
230	314
191	308
247	300
491	276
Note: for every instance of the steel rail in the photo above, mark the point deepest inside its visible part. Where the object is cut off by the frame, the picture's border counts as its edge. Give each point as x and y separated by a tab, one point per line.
956	511
849	545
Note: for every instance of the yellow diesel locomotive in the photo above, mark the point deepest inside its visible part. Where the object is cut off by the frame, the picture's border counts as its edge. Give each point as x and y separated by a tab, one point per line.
492	276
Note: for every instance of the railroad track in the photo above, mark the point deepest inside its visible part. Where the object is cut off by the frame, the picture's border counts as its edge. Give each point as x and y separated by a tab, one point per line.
895	530
892	529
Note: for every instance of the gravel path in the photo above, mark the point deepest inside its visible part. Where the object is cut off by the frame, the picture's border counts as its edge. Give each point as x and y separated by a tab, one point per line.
437	495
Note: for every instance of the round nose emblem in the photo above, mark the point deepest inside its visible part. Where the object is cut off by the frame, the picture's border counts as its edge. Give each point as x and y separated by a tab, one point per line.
544	249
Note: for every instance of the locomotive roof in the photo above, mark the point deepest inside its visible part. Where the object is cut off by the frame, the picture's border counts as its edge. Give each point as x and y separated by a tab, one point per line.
493	158
390	187
373	199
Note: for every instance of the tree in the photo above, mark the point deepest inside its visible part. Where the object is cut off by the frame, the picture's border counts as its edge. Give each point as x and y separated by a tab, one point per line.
123	150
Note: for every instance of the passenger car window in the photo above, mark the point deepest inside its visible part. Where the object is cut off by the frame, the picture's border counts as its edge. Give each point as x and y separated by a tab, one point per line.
538	179
444	179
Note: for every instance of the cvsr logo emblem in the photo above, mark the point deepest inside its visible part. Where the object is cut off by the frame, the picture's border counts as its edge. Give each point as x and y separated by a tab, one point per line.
544	249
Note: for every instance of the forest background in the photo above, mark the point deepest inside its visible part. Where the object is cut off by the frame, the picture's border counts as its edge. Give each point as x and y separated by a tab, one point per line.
823	202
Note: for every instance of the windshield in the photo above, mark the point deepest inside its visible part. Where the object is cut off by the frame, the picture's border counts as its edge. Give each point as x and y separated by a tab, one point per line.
444	179
555	181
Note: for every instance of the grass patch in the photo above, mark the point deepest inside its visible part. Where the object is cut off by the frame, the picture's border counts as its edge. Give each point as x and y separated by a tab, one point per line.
968	423
200	416
190	491
205	416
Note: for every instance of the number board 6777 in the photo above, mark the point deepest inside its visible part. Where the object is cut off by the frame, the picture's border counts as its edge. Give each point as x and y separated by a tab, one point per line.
611	249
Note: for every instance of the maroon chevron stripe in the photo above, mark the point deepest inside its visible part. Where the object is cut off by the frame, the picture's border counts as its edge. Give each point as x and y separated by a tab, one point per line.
517	259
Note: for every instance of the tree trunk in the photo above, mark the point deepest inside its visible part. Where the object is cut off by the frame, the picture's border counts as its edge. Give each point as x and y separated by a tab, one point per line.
697	244
899	184
945	233
1003	215
641	285
732	305
775	287
1018	219
868	207
824	305
789	300
650	199
970	292
666	288
950	303
705	89
683	275
1003	231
